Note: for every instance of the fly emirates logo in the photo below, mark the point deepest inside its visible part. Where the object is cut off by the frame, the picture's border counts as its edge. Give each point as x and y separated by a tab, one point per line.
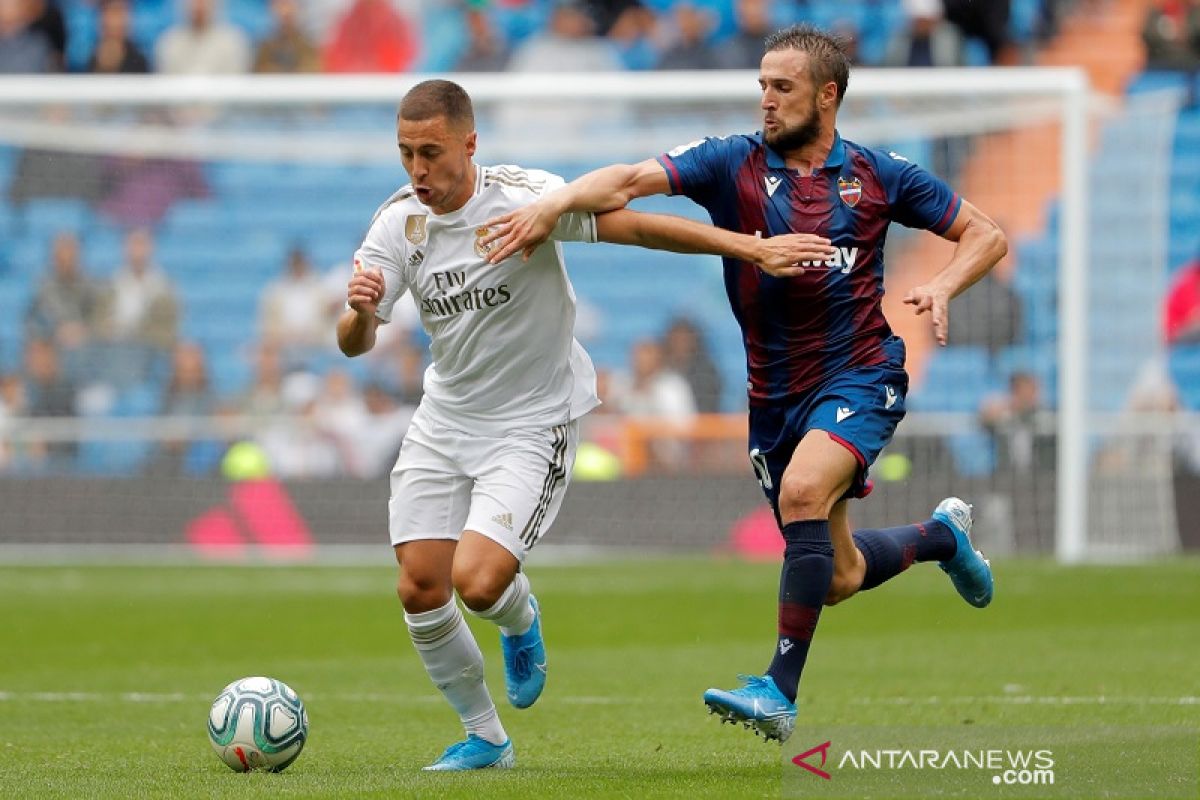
453	296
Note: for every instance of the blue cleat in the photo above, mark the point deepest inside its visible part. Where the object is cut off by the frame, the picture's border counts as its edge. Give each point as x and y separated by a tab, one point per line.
474	753
758	705
525	662
969	571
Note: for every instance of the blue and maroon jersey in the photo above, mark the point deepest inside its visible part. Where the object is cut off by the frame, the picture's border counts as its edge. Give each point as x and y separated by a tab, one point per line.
801	331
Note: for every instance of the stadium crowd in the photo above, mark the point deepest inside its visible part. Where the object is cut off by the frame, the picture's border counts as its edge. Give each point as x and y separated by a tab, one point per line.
354	36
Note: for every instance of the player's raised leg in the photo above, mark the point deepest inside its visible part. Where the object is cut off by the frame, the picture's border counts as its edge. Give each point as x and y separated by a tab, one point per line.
819	473
450	653
881	554
520	482
487	578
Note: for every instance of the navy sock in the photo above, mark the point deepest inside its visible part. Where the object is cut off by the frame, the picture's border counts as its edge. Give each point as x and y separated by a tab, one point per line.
890	551
803	584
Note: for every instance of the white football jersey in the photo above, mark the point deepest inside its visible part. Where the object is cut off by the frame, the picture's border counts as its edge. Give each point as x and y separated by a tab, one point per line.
502	336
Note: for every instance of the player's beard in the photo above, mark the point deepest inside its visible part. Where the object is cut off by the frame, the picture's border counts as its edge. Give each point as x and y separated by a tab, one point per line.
789	140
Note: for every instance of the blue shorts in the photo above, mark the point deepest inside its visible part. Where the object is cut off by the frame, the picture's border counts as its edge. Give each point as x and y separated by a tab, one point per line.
858	408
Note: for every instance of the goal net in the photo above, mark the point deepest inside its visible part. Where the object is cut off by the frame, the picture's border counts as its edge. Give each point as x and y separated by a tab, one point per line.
198	402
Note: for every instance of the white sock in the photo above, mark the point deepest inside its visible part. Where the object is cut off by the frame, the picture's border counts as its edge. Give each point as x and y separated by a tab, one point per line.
455	664
512	612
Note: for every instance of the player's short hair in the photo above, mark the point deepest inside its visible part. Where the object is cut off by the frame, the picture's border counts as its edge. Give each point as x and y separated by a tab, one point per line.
438	98
827	54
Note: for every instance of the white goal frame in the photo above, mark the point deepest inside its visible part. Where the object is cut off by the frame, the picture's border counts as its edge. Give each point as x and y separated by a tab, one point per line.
1064	90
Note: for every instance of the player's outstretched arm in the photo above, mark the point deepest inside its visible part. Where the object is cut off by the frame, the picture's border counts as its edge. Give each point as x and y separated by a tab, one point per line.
605	189
778	255
981	245
356	327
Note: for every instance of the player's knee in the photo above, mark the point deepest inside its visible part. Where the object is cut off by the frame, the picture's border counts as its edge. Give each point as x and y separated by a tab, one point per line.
480	587
419	593
803	495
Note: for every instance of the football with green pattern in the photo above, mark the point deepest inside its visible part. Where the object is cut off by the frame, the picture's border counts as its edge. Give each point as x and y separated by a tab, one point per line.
258	724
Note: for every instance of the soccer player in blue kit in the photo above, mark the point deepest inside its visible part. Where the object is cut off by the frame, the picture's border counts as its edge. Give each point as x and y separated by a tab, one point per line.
827	383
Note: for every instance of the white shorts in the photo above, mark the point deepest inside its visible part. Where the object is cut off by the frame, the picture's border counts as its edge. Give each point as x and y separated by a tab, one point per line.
508	489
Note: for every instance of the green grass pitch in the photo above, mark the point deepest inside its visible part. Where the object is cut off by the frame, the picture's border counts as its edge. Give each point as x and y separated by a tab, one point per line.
106	673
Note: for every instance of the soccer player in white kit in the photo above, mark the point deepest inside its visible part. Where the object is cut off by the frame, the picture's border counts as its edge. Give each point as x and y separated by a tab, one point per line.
486	460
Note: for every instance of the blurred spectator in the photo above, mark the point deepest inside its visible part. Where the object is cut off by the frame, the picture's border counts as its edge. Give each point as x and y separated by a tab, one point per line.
341	414
47	19
1171	34
486	49
404	377
139	312
633	33
65	306
265	396
1011	422
568	44
13	406
609	14
989	315
987	22
690	49
387	422
1024	468
188	394
287	48
23	49
744	49
603	426
115	52
49	392
1181	316
294	309
202	44
655	395
297	446
371	36
685	353
927	39
652	390
140	191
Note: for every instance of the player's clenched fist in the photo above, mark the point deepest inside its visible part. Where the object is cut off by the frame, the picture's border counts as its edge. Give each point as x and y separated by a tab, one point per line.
364	291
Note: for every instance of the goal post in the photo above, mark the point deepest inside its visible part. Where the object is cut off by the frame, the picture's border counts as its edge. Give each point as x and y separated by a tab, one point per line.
1019	141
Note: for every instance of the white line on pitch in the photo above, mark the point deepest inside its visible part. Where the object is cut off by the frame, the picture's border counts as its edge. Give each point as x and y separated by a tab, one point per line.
1029	700
598	700
179	697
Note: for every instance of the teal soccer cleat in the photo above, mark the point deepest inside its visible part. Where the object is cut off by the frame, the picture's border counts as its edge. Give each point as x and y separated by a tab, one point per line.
969	571
474	753
758	705
525	662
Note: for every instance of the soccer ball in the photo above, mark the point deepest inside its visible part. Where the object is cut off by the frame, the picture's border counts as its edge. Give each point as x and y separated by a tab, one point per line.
258	723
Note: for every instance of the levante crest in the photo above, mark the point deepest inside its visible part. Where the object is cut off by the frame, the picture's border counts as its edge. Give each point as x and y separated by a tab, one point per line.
850	191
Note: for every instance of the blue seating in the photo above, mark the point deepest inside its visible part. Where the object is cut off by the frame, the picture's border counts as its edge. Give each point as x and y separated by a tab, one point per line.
957	379
43	218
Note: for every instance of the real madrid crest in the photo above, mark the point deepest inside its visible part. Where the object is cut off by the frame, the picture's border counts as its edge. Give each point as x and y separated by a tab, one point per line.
850	191
414	229
481	249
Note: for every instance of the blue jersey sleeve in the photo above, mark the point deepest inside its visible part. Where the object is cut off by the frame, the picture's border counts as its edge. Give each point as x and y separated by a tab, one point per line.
918	198
699	169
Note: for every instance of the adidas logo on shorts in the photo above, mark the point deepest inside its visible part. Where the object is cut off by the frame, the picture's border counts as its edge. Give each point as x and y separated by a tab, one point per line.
504	519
